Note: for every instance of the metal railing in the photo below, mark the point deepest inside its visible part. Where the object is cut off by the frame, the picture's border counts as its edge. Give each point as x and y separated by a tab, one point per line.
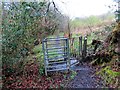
60	53
56	54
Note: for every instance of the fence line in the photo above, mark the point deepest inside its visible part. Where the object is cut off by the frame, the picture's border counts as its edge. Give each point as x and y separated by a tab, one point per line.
78	47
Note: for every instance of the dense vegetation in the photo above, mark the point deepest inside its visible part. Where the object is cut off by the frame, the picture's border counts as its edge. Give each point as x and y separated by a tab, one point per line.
109	58
23	26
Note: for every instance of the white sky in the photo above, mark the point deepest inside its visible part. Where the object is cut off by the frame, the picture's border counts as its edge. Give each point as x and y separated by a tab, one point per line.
83	8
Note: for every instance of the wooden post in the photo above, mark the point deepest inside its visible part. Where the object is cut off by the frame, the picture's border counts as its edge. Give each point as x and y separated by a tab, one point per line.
84	53
72	46
85	46
67	41
80	46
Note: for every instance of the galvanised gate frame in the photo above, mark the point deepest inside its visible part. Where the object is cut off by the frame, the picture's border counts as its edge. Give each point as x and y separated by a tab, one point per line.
57	53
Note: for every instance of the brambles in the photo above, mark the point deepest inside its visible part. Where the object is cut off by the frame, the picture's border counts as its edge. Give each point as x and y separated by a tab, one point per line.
96	44
109	53
24	25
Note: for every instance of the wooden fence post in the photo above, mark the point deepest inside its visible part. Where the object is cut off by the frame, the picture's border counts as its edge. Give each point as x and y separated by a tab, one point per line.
84	53
80	46
67	41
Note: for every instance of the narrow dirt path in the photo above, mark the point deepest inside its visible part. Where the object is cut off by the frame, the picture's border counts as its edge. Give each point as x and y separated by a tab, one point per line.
85	78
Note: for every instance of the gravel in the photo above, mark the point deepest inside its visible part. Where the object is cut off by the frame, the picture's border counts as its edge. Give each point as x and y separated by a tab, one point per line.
85	78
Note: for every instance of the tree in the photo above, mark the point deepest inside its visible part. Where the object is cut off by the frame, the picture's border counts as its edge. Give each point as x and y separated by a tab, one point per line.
22	24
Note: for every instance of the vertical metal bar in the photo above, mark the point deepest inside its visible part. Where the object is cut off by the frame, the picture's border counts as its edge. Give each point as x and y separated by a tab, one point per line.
65	50
46	49
43	48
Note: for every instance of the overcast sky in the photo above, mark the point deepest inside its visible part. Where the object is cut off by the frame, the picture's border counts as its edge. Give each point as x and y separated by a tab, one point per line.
83	8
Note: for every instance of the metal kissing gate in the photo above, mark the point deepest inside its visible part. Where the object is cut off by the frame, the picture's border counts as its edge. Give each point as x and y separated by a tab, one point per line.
57	54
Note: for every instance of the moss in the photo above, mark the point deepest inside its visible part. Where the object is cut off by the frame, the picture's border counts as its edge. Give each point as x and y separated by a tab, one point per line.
116	34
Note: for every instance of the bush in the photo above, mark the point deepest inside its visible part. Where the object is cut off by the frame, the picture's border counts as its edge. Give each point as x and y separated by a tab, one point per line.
22	24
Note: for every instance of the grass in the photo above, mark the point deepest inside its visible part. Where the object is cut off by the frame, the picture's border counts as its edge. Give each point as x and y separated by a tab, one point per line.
90	37
37	49
38	54
53	36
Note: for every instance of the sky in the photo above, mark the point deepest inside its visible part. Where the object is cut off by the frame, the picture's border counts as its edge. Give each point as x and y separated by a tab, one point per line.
84	8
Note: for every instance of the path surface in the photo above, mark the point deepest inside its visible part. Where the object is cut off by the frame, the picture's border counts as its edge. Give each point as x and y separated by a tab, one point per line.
85	78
